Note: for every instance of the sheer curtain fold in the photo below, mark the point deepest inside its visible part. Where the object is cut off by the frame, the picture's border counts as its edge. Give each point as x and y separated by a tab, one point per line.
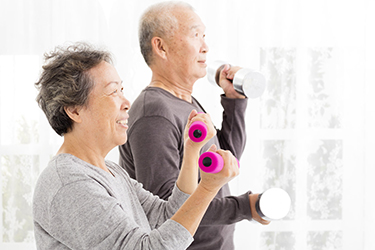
311	133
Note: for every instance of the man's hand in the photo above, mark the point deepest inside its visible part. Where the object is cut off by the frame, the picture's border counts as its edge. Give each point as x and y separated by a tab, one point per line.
253	199
225	81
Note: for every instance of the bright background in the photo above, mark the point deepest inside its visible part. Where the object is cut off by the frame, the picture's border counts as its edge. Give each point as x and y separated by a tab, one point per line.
311	133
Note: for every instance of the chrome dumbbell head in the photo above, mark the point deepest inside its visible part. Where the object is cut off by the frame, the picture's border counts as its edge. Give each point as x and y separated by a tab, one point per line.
246	81
249	82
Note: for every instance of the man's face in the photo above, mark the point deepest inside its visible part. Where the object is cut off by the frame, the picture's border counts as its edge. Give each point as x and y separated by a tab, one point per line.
187	46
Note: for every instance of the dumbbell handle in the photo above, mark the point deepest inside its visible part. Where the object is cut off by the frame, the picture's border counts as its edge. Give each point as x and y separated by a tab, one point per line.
198	131
211	162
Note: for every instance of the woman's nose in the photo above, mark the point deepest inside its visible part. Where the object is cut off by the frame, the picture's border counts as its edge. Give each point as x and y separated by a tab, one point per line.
125	104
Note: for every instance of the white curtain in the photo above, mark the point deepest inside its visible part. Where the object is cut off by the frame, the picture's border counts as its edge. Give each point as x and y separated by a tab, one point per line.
311	133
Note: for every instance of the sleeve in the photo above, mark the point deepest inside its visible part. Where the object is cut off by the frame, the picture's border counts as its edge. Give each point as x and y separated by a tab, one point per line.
232	135
86	217
157	210
228	210
155	145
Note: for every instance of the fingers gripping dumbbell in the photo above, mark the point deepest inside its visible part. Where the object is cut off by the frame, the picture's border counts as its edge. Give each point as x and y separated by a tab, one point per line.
211	162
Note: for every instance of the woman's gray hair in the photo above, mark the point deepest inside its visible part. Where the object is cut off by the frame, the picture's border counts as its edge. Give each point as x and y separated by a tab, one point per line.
65	81
158	20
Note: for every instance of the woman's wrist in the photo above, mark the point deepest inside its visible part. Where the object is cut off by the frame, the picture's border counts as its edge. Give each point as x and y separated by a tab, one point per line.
207	190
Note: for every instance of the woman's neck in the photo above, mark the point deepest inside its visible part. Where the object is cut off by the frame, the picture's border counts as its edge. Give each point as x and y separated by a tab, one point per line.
83	150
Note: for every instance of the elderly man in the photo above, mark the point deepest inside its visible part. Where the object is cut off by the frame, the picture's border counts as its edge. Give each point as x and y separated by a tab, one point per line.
172	41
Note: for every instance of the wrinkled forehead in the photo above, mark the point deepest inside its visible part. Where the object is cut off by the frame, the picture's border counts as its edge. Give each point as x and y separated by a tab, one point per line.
188	20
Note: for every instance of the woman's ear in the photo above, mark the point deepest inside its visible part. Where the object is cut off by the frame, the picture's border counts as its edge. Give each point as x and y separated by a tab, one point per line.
74	113
159	47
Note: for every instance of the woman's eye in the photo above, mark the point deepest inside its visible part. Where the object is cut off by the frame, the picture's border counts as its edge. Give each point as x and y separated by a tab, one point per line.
116	91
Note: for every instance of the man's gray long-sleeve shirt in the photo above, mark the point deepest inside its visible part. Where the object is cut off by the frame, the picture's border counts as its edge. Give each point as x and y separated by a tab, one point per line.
154	151
80	206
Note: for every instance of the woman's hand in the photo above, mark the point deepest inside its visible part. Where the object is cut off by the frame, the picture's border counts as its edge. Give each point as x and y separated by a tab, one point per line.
191	212
213	182
187	180
211	131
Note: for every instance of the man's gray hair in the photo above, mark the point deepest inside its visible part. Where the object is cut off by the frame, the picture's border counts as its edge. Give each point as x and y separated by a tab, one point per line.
158	20
66	82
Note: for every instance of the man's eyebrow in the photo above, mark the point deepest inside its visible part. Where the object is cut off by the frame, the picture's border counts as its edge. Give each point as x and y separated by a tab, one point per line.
198	26
194	26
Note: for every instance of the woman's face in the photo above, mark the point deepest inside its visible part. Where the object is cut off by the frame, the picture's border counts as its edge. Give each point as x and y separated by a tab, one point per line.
105	116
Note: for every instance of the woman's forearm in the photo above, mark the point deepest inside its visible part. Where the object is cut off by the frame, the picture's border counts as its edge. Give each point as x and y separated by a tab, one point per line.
187	180
192	211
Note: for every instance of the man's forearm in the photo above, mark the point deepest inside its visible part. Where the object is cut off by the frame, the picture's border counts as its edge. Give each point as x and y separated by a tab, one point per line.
232	135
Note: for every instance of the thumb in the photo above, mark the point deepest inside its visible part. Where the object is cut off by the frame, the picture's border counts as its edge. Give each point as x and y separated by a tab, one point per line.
225	70
192	114
213	148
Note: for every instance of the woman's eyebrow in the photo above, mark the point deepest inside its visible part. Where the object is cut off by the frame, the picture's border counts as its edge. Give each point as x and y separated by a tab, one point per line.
115	82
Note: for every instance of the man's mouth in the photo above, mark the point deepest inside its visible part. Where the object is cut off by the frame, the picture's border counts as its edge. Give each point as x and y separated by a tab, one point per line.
202	62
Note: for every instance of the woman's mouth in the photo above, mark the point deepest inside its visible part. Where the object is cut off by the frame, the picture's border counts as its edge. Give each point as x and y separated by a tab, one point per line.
123	123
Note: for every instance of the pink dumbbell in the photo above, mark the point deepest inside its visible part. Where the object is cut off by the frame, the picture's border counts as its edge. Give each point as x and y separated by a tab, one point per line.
211	162
198	131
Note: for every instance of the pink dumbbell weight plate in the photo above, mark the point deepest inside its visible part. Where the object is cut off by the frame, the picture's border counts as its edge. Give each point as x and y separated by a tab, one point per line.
211	162
198	131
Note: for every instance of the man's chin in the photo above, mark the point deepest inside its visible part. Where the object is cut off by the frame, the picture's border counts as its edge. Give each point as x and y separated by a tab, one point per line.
203	74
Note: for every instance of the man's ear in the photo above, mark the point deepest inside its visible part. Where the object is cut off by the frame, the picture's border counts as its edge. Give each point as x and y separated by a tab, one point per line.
74	113
159	47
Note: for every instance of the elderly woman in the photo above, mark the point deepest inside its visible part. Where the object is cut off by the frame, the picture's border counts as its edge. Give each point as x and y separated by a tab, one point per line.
83	201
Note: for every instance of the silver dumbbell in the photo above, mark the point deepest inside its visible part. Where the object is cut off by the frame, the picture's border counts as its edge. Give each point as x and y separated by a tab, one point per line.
273	204
246	81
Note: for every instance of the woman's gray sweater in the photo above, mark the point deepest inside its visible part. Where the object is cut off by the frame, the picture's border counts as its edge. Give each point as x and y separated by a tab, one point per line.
80	206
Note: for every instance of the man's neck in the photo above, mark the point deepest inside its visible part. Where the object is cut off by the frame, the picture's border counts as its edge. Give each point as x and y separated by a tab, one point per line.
176	87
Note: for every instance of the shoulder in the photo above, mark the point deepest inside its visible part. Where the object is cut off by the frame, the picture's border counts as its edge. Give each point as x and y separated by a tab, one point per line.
61	170
64	170
155	104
